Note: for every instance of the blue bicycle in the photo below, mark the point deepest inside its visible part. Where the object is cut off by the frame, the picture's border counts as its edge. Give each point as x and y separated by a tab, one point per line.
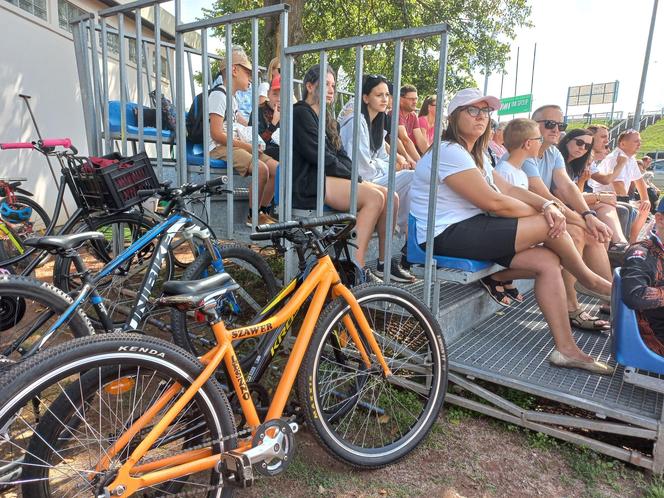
119	296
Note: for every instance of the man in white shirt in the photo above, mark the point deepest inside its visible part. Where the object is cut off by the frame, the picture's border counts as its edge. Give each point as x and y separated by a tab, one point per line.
624	155
242	158
547	176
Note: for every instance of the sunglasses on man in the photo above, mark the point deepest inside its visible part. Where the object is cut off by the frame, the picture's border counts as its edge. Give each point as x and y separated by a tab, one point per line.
550	124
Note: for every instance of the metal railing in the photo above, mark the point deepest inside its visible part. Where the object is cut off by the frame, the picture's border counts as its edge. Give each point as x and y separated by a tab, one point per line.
358	43
647	119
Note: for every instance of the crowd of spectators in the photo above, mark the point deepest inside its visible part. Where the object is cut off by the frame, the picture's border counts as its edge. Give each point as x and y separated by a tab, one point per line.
543	204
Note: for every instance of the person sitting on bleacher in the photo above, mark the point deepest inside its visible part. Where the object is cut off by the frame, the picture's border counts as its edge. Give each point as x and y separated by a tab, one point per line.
373	159
269	115
481	216
371	198
642	276
242	158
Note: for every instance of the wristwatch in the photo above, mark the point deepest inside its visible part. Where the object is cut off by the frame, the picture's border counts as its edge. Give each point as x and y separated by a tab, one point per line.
590	211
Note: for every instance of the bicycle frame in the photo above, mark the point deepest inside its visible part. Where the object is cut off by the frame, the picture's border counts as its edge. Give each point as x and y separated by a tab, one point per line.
322	279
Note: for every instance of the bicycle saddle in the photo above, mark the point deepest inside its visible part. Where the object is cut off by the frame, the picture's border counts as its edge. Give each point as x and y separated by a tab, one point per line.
61	242
194	294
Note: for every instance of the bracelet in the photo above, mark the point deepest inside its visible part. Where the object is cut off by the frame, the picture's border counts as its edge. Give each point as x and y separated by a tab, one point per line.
586	213
547	204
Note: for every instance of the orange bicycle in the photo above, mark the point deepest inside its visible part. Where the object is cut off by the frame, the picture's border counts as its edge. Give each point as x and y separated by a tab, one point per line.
123	413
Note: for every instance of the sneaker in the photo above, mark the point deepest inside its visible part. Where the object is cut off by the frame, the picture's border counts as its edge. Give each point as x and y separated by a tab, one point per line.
263	219
368	277
397	273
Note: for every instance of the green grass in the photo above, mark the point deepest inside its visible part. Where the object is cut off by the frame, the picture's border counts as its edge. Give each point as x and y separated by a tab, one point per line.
652	138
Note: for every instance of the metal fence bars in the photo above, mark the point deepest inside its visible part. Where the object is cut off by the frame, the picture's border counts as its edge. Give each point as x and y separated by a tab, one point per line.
358	43
228	21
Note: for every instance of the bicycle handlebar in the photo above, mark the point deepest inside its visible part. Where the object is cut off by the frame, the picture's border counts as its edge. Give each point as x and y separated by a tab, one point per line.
17	145
55	142
186	189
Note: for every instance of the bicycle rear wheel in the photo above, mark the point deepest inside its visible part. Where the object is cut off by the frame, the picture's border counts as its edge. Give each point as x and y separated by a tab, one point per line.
12	235
257	287
65	409
120	289
358	415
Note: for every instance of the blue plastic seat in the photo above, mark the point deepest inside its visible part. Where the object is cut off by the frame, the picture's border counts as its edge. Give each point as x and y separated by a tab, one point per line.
195	157
115	116
628	346
417	255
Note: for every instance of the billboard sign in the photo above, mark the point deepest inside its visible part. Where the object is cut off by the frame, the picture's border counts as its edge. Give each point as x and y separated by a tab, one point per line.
516	105
593	94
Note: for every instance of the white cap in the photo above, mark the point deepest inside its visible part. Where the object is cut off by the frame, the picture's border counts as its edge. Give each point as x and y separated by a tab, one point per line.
469	96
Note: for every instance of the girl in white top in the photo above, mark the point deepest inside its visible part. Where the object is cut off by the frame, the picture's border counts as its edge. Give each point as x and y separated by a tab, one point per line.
373	161
520	220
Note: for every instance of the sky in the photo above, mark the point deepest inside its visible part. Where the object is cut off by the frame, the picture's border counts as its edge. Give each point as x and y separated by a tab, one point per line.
578	42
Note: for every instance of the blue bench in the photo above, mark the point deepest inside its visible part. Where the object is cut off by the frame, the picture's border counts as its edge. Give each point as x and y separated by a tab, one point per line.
195	157
628	346
448	269
115	123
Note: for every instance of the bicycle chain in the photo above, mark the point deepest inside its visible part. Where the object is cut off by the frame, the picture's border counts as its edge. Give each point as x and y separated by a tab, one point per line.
203	445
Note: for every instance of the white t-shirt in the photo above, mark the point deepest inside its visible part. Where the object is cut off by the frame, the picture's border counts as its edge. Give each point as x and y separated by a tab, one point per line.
629	173
450	207
263	88
515	176
217	105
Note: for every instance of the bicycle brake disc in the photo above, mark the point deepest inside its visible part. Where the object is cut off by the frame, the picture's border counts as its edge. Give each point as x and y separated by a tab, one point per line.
12	311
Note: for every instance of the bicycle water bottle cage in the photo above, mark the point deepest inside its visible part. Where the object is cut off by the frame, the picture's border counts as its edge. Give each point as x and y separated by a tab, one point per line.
13	215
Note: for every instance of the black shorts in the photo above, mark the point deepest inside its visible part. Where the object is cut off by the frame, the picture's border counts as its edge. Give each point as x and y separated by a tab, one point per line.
481	237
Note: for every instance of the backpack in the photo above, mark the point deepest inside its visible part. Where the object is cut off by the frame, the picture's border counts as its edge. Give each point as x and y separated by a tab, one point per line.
168	114
195	117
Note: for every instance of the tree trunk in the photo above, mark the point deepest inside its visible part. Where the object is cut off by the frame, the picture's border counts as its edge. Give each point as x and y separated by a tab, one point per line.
273	26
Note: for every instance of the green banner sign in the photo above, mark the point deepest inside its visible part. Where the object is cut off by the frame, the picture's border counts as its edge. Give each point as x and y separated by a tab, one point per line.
516	105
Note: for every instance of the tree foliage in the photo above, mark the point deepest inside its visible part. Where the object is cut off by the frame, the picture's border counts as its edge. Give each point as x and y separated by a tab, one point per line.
480	32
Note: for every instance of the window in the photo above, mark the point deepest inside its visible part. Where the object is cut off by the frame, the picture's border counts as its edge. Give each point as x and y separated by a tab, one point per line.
68	12
35	7
133	56
112	42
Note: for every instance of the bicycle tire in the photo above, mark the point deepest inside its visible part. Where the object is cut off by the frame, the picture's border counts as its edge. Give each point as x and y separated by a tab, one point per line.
120	289
38	223
254	276
105	382
27	303
359	416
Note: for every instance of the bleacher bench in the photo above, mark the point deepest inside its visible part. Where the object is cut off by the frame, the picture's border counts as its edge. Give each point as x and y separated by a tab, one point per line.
628	346
447	268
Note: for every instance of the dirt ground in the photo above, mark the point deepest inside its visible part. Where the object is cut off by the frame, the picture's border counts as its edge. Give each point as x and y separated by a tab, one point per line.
464	456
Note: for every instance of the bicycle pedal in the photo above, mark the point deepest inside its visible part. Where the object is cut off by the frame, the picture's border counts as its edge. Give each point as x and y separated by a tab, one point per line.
236	469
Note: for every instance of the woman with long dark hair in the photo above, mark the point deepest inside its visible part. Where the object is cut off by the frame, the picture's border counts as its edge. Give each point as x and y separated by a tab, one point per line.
481	216
576	148
371	198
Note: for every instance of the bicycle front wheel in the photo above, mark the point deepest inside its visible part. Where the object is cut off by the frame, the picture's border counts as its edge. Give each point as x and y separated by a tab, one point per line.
360	416
66	409
28	309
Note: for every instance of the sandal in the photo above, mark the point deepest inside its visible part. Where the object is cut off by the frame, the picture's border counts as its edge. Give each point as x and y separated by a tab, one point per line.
583	320
619	247
492	286
512	292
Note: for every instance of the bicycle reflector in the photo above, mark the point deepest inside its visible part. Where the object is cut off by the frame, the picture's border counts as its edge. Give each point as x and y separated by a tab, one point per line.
119	386
12	214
